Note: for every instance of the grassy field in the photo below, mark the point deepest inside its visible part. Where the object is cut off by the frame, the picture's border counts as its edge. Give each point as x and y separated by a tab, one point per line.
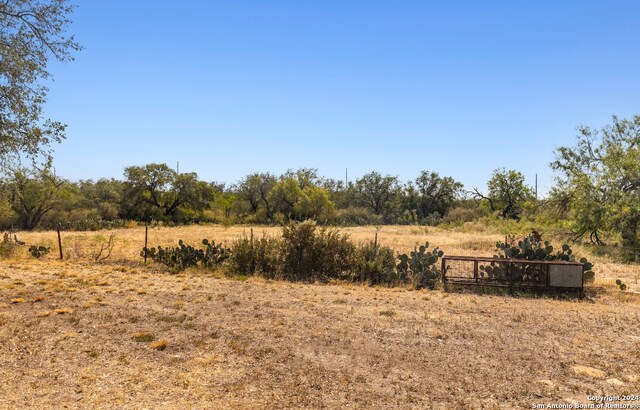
117	334
83	246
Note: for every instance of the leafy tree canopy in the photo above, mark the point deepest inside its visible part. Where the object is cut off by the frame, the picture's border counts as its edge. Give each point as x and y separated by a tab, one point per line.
31	33
601	176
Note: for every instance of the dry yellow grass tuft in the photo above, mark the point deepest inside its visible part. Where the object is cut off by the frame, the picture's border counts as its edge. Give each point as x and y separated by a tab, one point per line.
206	361
159	345
63	311
143	336
589	372
44	313
17	300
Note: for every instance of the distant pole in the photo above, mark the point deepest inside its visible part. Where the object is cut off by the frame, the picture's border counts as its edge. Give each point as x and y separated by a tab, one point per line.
146	236
59	242
346	177
536	186
178	168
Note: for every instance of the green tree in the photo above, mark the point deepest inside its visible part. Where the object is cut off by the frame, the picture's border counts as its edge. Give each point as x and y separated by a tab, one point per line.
382	195
31	33
254	191
297	197
436	194
507	193
32	194
601	174
103	195
155	190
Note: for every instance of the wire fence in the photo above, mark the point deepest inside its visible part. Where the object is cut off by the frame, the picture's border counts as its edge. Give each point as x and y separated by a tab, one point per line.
128	244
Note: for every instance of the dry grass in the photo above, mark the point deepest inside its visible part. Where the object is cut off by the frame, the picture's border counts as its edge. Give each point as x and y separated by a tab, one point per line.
81	246
269	344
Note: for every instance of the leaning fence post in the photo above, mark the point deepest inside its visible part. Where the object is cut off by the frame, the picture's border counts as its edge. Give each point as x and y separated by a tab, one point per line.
59	242
146	237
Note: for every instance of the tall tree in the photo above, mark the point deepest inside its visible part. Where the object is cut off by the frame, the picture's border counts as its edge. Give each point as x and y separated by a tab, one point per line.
33	194
382	195
157	190
507	193
602	174
31	33
436	194
254	190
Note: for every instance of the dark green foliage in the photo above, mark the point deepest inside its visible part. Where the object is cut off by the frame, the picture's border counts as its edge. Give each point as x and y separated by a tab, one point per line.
256	256
310	254
38	251
531	248
375	265
421	267
85	224
353	216
186	256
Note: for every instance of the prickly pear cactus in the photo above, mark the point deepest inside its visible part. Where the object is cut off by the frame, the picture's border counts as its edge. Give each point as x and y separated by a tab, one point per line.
420	267
534	249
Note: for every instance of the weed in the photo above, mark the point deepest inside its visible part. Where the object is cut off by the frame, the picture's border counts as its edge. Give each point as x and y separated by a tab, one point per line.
143	337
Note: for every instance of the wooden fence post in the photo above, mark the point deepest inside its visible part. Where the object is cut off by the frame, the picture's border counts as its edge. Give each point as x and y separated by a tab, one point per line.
59	242
146	237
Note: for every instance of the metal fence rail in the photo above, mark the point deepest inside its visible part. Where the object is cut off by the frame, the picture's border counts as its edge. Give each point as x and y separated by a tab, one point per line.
512	273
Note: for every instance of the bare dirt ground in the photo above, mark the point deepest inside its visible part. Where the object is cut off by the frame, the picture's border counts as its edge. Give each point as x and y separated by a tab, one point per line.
116	334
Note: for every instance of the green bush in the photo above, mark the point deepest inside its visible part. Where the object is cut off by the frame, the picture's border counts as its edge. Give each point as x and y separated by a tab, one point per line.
310	254
256	256
353	216
375	264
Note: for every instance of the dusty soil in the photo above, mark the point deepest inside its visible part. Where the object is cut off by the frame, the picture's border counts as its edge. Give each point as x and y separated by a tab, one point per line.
80	334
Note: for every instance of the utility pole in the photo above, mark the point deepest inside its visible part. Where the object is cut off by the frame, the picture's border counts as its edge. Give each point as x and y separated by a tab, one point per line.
178	168
346	177
536	187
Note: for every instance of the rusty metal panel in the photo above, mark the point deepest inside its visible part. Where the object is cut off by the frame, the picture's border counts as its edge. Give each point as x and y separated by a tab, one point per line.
565	276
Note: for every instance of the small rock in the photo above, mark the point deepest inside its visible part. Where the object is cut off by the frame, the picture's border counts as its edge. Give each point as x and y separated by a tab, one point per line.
615	382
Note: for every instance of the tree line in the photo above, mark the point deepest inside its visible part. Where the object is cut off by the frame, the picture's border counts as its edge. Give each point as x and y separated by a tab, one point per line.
597	189
34	198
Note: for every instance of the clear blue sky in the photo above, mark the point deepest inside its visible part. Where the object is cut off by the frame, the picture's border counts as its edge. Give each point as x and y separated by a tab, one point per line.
232	87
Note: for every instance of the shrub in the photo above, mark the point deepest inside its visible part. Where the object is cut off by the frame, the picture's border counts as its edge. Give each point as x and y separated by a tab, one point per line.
8	247
308	254
459	215
356	217
375	265
256	256
420	267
